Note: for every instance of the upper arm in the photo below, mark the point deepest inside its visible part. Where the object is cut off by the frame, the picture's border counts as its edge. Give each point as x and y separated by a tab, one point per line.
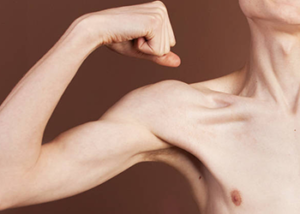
87	155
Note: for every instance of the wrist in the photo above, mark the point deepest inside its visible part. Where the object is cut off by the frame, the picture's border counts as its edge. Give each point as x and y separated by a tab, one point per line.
86	30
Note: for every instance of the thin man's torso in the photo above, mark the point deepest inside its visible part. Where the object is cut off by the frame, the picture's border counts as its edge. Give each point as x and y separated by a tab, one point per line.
246	155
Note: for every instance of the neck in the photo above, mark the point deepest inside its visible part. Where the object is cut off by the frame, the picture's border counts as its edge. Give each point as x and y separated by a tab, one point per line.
272	71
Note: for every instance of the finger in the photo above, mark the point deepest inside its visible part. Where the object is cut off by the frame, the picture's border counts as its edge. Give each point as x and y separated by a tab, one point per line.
162	40
167	38
171	33
144	46
153	46
171	59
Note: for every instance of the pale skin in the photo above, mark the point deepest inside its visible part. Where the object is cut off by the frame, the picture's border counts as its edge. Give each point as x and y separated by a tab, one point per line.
235	138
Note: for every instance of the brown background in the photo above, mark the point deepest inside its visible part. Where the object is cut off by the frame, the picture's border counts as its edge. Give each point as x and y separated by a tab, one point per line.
212	40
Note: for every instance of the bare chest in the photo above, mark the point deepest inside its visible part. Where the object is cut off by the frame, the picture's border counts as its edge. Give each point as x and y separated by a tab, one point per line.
246	155
248	167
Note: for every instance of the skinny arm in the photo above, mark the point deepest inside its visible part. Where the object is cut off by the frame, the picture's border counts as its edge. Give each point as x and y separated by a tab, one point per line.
27	109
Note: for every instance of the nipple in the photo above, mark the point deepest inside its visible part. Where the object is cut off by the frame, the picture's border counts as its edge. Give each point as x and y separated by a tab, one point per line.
236	197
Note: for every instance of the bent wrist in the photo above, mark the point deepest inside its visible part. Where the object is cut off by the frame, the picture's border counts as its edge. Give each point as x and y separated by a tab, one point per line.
87	31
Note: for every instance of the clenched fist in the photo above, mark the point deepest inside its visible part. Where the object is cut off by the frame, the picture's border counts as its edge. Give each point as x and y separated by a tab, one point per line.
142	31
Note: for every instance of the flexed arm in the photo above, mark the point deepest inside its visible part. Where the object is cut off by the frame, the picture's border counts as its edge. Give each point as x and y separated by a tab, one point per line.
31	173
26	111
80	159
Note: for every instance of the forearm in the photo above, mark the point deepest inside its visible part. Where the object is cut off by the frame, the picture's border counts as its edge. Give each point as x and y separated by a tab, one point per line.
26	111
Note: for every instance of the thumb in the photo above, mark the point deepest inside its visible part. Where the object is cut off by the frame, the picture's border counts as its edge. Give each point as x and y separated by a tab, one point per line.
145	52
170	59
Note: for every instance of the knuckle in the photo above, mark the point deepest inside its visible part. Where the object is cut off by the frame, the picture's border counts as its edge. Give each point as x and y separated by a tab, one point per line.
161	4
160	12
156	19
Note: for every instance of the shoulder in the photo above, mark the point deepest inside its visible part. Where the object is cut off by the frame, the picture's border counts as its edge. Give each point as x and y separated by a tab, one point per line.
165	102
150	94
170	92
148	102
170	89
160	88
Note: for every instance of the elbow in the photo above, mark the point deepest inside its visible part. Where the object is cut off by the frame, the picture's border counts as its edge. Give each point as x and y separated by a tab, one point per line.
4	203
3	206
